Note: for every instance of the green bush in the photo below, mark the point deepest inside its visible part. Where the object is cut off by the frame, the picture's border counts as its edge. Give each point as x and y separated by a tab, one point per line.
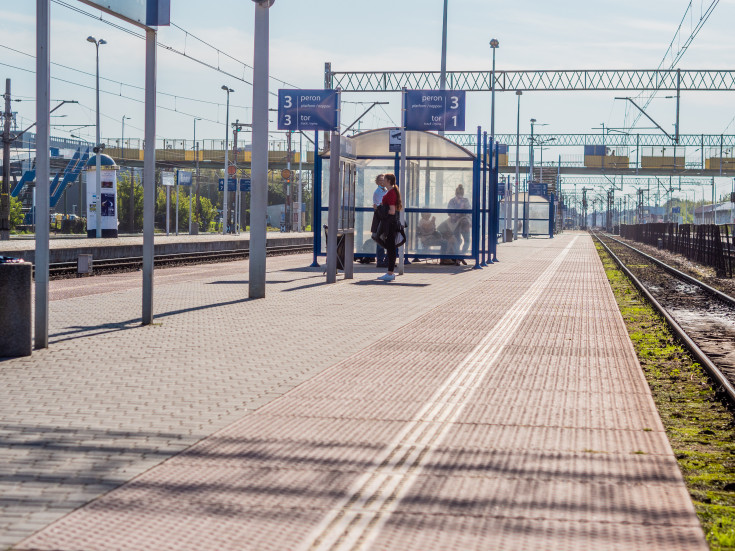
16	213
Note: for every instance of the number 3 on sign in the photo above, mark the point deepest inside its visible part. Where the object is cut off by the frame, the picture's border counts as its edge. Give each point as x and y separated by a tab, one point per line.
287	102
454	104
287	119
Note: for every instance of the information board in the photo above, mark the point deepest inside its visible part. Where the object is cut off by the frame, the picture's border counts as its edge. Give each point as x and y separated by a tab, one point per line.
184	178
168	178
307	110
244	184
394	141
538	188
435	110
148	13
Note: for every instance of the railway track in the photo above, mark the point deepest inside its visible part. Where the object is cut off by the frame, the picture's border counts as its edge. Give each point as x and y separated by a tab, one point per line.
702	317
69	269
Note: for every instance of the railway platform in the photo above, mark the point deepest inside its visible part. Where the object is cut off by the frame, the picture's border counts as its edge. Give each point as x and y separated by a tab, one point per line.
453	408
68	249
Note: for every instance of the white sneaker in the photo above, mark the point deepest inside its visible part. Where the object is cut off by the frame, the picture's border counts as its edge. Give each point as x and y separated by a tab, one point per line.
387	277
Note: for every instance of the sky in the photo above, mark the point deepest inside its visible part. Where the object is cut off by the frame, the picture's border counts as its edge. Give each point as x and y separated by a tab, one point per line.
396	35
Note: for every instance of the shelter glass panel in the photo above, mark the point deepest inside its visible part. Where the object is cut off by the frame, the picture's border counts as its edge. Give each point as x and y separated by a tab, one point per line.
439	177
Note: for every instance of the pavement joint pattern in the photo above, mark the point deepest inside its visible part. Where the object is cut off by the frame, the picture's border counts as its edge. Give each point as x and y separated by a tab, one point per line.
498	408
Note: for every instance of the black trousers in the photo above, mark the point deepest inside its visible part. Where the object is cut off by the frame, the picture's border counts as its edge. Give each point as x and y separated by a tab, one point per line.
390	247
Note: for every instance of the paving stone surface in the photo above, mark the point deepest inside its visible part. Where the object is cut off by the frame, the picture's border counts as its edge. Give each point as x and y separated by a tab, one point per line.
501	408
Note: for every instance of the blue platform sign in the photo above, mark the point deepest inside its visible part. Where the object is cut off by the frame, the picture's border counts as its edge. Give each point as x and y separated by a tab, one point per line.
307	110
145	13
244	184
184	178
675	210
435	110
538	188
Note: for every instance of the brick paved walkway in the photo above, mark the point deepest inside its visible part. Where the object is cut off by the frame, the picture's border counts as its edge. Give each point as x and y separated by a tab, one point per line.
493	409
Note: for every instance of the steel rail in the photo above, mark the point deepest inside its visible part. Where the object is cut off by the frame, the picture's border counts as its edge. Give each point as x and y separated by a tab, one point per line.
717	376
681	275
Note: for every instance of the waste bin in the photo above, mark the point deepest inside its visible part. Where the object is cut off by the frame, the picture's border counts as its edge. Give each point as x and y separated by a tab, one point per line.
15	307
340	247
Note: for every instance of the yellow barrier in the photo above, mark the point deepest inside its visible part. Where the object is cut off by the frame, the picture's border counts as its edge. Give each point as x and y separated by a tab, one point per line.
713	163
610	161
662	162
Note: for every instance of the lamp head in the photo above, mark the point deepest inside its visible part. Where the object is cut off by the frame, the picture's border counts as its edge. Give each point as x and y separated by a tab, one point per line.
519	92
533	120
494	43
91	39
102	41
264	3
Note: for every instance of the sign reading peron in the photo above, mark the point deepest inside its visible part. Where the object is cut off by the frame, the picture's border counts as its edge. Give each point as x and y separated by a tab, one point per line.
435	110
307	110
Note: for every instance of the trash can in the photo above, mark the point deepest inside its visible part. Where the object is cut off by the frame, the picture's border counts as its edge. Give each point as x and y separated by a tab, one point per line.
15	307
340	247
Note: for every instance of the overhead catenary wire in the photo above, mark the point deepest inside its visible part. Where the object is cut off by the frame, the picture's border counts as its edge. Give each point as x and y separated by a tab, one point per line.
136	100
128	85
680	51
173	49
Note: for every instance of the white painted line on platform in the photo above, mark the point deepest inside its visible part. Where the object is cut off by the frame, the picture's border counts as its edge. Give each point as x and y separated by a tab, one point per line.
357	520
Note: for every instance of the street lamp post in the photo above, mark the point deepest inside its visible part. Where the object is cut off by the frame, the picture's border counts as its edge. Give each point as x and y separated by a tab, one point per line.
98	148
542	143
122	137
196	160
526	205
494	45
225	188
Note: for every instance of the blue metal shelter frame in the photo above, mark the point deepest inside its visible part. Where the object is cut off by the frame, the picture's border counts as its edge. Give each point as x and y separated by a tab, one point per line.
475	168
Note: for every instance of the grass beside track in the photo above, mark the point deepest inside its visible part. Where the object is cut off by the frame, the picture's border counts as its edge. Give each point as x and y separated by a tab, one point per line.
700	426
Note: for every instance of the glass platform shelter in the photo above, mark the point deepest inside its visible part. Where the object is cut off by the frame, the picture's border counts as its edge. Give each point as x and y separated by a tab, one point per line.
441	198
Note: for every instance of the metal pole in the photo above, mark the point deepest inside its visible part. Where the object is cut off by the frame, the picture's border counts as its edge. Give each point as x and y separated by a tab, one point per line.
122	139
191	188
5	191
131	215
149	174
226	187
168	208
176	216
301	185
235	133
98	155
196	156
402	180
288	207
259	166
678	96
333	213
494	46
443	74
43	173
519	93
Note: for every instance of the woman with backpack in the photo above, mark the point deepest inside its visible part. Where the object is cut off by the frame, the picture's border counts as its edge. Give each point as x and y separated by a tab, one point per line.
392	199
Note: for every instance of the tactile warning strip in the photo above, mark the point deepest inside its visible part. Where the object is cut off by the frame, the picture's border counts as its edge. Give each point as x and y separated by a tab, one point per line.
514	417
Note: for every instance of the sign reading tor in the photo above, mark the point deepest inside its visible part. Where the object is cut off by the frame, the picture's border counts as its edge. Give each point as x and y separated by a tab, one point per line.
307	110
